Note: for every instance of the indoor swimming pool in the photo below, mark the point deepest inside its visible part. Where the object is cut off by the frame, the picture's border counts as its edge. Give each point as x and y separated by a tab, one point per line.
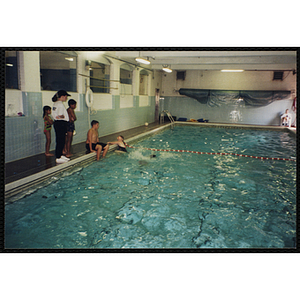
168	200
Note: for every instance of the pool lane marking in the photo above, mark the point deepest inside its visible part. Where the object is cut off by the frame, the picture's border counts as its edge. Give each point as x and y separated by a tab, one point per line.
214	153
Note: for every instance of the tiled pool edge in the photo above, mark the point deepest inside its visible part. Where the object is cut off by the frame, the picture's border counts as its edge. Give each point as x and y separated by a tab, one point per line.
248	126
20	185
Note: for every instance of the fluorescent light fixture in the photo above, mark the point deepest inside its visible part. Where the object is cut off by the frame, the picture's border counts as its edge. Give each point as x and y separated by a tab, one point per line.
9	65
232	70
69	58
143	61
166	69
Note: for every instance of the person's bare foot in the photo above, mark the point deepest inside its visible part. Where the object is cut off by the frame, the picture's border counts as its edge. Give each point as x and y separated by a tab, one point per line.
49	154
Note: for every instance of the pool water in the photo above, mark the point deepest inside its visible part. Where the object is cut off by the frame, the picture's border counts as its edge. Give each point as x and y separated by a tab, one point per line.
172	200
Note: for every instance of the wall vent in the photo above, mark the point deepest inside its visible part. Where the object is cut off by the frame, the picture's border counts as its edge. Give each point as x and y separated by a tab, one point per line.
180	75
278	75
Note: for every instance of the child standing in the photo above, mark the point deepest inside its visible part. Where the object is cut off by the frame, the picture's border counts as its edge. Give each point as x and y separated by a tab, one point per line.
47	128
71	127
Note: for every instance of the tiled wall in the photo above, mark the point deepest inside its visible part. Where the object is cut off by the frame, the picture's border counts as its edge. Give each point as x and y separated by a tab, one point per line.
184	107
24	136
113	120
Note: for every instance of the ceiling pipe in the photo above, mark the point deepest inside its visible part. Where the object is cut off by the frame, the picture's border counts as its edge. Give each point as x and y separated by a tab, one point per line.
128	62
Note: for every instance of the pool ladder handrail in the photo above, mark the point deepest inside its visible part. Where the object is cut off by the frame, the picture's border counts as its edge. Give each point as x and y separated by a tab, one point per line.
169	116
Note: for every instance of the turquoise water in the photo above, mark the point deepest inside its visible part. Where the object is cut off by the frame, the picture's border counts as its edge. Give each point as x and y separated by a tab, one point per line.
173	200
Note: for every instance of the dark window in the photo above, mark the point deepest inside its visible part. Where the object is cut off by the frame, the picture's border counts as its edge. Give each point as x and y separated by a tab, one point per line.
143	89
11	70
99	77
125	76
58	71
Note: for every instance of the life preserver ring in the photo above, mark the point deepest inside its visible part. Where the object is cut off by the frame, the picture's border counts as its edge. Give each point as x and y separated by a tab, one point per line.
89	97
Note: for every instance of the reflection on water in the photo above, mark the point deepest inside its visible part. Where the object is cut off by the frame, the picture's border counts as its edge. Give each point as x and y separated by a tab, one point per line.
173	200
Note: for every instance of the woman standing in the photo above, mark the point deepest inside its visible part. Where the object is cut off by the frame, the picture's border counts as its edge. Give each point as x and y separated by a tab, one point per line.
61	118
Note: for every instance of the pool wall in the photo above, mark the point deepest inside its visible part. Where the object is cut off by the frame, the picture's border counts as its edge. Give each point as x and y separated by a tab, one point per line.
185	107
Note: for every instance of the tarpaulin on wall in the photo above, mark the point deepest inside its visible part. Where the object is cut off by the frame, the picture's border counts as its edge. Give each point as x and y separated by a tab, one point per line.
220	97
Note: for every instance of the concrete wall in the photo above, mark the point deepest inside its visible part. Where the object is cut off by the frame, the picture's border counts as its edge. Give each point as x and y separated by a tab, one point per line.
247	80
185	107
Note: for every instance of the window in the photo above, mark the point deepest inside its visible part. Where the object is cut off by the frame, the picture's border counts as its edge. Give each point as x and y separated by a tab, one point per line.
125	76
126	79
143	90
58	70
11	70
99	77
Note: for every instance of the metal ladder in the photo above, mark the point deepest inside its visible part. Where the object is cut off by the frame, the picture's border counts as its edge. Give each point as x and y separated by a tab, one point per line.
169	116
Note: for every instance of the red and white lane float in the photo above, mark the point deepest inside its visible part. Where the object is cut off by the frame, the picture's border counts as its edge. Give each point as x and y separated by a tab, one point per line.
214	153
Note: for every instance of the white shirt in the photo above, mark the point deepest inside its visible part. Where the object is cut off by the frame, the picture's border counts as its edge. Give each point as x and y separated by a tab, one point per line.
59	109
286	115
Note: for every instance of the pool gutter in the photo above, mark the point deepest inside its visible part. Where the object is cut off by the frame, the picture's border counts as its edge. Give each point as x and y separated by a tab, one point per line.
248	126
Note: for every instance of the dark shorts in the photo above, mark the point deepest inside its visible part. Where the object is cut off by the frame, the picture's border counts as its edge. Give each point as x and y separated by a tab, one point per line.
121	149
87	146
71	127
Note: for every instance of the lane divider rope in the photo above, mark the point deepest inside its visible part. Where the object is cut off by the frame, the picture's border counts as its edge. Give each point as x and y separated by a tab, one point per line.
213	153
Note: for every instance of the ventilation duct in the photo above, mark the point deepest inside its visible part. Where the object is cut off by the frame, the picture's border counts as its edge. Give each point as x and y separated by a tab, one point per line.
180	75
278	75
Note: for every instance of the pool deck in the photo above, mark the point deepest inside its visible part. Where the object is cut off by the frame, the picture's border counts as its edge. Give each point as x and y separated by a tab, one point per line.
19	173
34	168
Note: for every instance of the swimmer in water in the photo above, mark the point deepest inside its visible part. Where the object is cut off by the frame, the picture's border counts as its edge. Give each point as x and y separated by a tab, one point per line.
144	163
121	144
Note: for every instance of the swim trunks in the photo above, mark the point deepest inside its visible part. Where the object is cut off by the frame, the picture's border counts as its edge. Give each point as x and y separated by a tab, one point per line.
121	149
71	127
87	146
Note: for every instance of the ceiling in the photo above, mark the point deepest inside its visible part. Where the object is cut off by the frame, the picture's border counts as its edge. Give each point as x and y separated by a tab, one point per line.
213	60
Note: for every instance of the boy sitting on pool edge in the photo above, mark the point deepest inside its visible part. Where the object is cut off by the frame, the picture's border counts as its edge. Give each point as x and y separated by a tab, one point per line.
92	143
